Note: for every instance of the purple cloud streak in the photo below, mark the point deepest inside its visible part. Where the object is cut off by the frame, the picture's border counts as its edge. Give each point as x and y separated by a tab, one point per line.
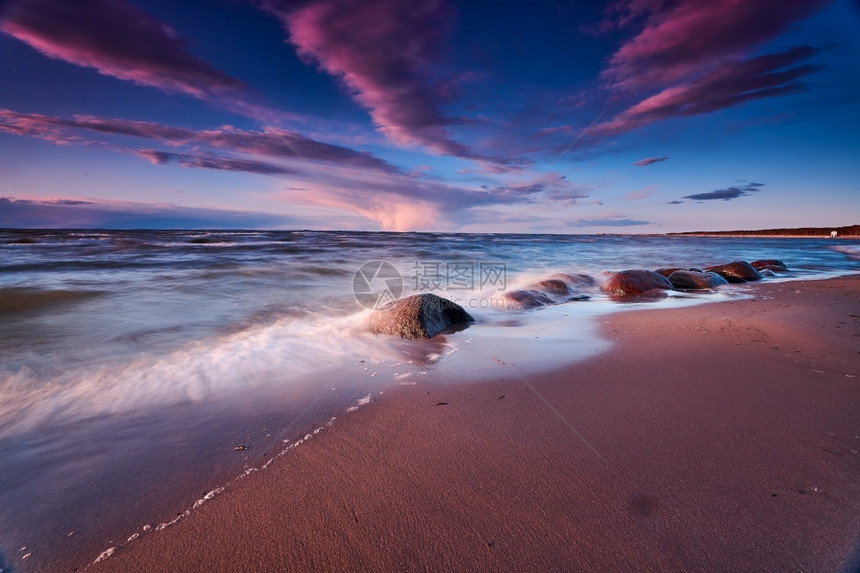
269	142
74	213
687	58
117	39
649	161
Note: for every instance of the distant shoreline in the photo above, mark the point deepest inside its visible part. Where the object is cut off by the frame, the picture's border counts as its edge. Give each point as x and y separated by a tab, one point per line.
848	232
760	235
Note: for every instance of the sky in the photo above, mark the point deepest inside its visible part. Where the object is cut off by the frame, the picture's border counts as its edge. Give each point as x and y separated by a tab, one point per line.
646	116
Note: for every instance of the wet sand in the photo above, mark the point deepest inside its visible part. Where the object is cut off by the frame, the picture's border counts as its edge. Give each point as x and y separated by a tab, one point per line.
722	437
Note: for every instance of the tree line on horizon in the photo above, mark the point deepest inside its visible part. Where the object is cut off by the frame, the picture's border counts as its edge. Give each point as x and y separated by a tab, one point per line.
850	230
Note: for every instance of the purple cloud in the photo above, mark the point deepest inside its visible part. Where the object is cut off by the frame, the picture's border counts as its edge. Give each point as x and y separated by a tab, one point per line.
688	57
681	40
736	82
212	161
649	161
117	39
726	194
269	142
383	51
75	213
606	222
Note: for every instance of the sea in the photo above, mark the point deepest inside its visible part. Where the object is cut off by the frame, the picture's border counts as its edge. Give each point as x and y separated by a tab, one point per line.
143	372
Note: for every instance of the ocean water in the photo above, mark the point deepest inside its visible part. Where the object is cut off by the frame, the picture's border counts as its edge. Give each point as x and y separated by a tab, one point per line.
143	371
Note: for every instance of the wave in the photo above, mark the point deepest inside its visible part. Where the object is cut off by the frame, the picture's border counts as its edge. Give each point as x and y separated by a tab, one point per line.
25	299
275	354
853	251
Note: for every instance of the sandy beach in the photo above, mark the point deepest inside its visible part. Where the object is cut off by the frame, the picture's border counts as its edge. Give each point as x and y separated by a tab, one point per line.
720	437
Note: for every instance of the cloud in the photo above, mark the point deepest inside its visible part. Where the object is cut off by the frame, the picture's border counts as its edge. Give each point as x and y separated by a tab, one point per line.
269	142
95	213
676	202
355	182
689	57
400	202
726	194
686	38
383	51
606	222
735	83
212	161
117	39
643	193
649	161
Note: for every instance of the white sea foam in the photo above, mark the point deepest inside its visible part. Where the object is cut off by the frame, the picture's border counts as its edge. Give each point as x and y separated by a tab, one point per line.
198	371
853	250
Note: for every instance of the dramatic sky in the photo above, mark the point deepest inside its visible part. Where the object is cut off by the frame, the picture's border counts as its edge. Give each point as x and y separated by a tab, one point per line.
645	116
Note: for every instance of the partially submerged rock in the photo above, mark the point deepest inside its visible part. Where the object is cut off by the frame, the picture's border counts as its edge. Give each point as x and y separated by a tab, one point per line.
557	289
420	316
774	265
667	271
635	282
695	280
527	298
736	272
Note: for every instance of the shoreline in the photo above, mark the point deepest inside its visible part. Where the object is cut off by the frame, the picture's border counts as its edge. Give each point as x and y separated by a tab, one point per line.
714	436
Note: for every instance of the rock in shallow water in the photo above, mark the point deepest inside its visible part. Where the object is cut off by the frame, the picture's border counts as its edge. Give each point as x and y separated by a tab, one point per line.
557	289
736	272
634	282
769	265
420	316
694	280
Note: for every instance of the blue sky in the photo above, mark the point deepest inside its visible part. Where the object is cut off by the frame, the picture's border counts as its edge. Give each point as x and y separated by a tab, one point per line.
647	116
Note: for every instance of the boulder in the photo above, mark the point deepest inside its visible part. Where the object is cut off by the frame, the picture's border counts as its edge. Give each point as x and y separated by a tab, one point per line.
557	289
736	272
635	282
553	286
576	280
770	265
420	316
526	298
693	280
667	272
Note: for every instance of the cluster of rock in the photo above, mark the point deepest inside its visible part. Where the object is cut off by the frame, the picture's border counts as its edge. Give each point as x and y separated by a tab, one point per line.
428	315
637	282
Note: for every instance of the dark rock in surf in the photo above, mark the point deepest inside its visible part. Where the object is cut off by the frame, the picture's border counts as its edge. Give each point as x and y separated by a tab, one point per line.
557	289
527	298
736	272
553	286
575	281
635	282
692	280
774	265
420	316
667	272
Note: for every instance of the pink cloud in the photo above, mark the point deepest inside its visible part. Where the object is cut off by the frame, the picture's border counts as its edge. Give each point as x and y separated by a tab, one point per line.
730	85
16	212
269	142
688	57
687	38
649	161
643	193
117	39
384	52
